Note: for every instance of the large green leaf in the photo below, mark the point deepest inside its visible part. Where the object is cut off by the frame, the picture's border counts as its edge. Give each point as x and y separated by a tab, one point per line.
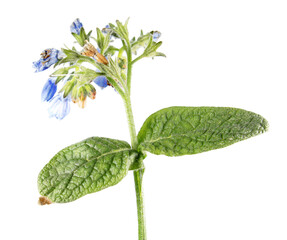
86	167
177	131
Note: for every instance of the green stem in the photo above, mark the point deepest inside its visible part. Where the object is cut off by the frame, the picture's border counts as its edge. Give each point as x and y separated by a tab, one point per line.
138	174
138	177
132	129
129	72
138	58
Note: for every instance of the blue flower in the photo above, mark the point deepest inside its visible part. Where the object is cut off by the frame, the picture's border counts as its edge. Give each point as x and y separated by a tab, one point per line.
155	36
76	26
101	81
48	57
106	29
49	89
60	106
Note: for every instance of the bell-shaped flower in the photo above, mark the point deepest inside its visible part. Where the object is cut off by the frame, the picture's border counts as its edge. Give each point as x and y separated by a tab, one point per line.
49	89
76	26
101	81
60	106
106	29
156	35
48	57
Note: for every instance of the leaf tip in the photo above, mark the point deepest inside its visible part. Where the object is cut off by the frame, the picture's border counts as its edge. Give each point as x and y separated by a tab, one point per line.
265	125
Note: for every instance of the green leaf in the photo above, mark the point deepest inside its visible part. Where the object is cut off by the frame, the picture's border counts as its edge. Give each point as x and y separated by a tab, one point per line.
177	131
86	167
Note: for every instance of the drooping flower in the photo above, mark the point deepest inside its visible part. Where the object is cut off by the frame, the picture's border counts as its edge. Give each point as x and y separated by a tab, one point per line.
60	106
106	29
49	89
156	35
48	57
76	26
101	81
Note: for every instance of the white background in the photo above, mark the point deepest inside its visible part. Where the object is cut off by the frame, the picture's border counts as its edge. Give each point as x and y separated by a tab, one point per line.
219	53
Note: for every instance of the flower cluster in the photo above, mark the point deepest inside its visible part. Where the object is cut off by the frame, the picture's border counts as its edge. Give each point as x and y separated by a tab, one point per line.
109	66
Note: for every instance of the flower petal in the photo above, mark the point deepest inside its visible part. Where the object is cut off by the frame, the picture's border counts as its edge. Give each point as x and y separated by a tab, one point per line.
156	35
49	89
48	57
76	26
60	107
101	81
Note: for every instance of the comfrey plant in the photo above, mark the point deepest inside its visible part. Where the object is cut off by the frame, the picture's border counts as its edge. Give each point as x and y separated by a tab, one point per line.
97	163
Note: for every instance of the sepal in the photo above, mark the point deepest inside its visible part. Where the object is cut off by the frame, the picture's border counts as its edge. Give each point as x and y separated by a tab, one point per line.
73	57
68	87
111	50
151	49
61	73
112	70
82	37
87	75
121	30
142	41
103	41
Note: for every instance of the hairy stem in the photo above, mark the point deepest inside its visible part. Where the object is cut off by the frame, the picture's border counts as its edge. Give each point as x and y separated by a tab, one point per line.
138	177
132	129
138	174
138	58
129	70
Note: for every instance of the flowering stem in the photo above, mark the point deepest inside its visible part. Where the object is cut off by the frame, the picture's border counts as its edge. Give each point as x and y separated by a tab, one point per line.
129	72
138	174
138	177
138	58
133	135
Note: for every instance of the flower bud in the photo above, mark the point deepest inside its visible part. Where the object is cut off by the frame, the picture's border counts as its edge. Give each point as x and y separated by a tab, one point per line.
122	63
68	87
82	96
91	91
